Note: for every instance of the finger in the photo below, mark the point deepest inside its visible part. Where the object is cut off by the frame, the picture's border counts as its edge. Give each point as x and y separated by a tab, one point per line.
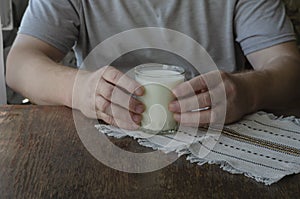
201	100
117	96
118	78
189	88
201	118
202	82
116	111
117	122
194	119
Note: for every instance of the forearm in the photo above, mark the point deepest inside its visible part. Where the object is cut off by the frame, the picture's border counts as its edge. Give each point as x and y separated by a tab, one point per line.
275	87
39	78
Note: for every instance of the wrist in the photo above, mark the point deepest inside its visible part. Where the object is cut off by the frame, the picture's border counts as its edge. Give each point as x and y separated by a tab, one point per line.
72	77
74	97
252	85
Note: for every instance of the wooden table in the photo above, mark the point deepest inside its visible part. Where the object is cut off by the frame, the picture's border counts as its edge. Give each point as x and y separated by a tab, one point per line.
41	156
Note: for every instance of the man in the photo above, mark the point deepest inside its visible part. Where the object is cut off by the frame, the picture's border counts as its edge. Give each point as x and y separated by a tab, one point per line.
229	30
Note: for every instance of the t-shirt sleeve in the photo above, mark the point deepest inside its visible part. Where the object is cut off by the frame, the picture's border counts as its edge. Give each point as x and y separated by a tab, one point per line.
260	24
55	22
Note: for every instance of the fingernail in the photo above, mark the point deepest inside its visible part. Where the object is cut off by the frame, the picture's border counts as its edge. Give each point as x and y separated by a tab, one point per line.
139	91
174	106
139	108
137	118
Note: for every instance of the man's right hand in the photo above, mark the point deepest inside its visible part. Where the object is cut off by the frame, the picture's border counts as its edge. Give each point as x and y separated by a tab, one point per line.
33	70
108	95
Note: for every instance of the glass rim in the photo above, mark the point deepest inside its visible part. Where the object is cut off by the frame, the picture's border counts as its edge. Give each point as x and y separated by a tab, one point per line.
155	66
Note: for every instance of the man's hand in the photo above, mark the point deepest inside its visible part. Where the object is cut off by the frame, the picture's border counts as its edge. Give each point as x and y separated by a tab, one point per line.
34	71
273	86
107	94
222	94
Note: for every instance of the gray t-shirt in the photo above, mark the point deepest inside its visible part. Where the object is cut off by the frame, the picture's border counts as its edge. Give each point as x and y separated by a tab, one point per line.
227	29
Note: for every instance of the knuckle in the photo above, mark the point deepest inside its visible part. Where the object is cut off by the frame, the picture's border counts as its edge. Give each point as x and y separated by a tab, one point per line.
206	99
112	74
99	115
109	120
106	118
209	99
106	91
101	85
104	105
201	81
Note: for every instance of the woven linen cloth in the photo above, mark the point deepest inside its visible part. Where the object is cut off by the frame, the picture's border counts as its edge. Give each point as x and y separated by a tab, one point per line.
260	146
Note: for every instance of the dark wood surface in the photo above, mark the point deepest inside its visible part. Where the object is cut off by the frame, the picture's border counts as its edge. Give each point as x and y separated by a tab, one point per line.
41	156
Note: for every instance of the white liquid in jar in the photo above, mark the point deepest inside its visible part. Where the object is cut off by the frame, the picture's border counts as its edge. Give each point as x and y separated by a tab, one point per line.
158	85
